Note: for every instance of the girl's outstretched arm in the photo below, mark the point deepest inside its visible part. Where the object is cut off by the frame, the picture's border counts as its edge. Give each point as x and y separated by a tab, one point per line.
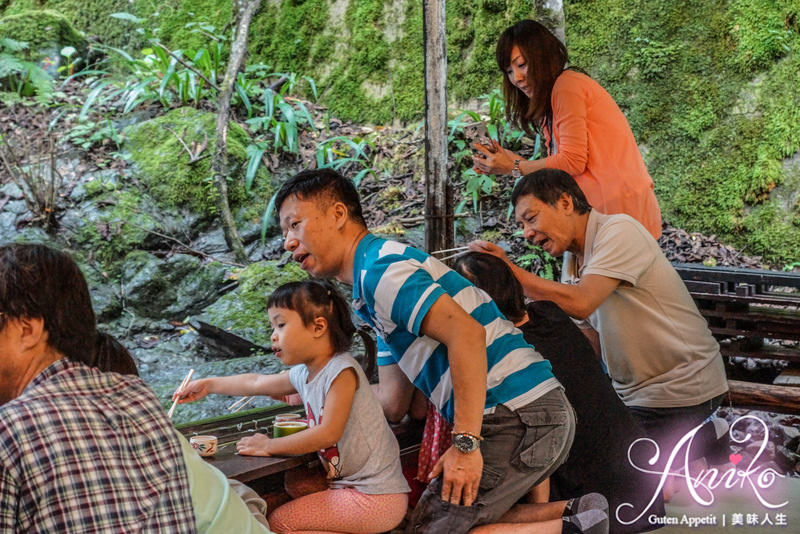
245	385
338	402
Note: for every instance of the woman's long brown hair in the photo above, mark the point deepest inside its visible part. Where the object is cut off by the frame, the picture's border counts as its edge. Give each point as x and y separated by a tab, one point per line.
546	58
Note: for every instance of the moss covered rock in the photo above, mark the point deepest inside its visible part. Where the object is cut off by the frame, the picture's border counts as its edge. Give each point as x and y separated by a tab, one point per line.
45	31
170	174
244	310
93	17
711	90
171	289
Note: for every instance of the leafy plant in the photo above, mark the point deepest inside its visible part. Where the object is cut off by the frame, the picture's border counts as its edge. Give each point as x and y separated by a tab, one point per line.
88	133
789	267
277	125
158	74
475	184
67	52
538	261
280	123
342	154
19	76
497	126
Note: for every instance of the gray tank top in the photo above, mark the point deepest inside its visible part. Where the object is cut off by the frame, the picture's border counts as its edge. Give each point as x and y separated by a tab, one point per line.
367	456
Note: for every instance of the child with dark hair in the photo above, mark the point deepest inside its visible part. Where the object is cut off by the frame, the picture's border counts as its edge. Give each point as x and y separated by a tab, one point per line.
312	331
601	415
111	356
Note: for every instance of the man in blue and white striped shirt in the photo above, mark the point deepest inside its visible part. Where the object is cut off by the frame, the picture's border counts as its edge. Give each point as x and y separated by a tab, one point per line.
512	424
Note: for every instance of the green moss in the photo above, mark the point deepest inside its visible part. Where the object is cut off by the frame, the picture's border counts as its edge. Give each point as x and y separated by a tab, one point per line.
40	28
116	231
283	35
165	167
244	310
759	32
173	16
702	90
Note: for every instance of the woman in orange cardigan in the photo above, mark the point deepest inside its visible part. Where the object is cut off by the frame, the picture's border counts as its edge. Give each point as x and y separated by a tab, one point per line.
586	134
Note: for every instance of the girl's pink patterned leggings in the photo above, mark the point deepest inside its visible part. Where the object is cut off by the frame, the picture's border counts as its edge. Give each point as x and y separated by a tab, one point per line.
340	510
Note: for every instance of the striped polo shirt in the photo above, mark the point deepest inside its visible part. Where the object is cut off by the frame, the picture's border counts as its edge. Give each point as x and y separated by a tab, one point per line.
395	285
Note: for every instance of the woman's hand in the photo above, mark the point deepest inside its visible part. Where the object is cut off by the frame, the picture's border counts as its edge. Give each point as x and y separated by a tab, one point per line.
193	391
493	159
255	445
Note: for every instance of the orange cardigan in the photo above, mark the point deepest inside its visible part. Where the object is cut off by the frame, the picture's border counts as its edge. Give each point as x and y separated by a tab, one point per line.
594	144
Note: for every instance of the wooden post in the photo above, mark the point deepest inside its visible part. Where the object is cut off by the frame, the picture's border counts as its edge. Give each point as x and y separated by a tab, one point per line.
438	194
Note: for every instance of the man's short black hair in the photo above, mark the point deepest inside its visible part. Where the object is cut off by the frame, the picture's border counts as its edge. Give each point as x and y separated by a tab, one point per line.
326	185
547	185
40	282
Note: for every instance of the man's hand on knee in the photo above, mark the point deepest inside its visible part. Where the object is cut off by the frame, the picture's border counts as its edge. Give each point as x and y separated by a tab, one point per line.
461	475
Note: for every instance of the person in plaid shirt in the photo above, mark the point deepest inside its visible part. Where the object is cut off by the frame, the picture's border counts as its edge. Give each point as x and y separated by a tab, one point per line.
82	450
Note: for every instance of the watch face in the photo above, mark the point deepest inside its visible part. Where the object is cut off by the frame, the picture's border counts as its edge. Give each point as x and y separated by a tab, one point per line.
464	443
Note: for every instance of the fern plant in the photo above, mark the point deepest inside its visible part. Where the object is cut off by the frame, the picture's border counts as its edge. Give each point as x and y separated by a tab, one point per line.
20	76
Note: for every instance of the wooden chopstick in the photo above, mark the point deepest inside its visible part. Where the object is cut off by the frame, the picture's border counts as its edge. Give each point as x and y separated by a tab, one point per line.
465	247
457	254
183	385
247	400
238	402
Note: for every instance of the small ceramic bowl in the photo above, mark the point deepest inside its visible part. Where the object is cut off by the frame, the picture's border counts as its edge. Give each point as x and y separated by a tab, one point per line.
204	445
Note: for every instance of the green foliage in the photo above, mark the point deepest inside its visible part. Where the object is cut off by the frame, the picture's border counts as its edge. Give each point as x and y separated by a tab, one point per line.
710	89
281	121
346	155
654	58
88	134
761	32
22	77
92	17
497	128
369	56
182	77
39	28
168	171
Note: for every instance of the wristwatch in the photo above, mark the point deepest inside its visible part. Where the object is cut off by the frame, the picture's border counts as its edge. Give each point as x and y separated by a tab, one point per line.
466	442
515	172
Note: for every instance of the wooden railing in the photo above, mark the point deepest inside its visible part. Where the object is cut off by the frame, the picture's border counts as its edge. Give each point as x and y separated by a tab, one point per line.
750	312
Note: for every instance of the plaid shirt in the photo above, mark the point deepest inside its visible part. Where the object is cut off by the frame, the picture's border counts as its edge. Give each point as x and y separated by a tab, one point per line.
83	451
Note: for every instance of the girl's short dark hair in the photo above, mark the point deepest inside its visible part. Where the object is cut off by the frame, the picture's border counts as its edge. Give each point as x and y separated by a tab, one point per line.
39	282
317	298
546	58
491	274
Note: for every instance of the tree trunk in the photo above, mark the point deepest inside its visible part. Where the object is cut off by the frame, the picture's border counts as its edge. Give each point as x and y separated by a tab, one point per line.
244	11
439	231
